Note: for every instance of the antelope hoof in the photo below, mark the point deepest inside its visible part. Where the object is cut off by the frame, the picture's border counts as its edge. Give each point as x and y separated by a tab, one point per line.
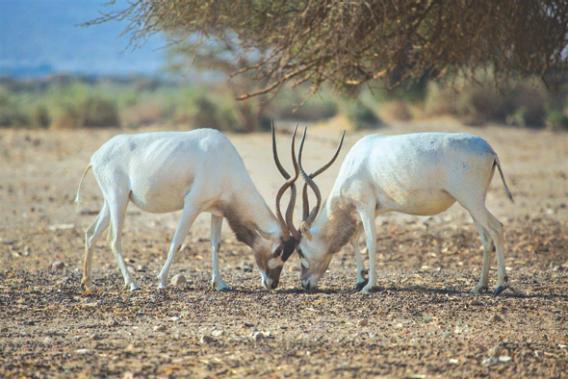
367	289
132	287
360	285
87	290
478	290
500	289
220	286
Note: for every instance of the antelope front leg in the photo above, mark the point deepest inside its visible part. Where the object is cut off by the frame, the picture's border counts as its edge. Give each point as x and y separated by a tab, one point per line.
488	248
361	280
216	279
188	215
368	220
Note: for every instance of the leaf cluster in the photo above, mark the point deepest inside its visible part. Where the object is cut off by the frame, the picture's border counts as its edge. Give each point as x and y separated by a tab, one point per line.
352	43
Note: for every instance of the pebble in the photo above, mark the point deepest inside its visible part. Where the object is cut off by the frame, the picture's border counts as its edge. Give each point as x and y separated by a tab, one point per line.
217	333
363	322
257	336
159	328
247	267
61	227
206	340
57	266
504	359
82	351
178	280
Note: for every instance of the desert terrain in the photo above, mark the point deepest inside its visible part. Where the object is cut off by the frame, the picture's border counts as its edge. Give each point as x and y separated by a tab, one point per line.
420	322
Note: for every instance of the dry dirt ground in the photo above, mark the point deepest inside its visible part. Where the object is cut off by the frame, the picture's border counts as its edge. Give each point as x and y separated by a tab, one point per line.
421	322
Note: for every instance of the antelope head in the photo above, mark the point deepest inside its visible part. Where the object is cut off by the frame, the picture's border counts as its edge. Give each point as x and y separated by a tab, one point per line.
313	246
271	264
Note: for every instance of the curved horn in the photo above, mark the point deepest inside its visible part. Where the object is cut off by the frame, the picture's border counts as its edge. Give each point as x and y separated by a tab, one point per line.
309	182
305	201
287	224
275	153
308	216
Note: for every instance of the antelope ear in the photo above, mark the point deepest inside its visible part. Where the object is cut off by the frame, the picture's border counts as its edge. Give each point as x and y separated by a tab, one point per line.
305	262
263	234
275	262
305	230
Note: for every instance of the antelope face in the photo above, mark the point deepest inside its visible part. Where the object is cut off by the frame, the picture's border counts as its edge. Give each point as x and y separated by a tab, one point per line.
270	260
314	262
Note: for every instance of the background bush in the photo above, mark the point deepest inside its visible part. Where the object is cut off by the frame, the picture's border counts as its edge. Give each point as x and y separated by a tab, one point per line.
71	102
361	116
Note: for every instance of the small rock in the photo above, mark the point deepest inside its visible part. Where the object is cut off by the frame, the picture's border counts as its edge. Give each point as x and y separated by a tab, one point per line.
82	351
504	359
159	328
257	336
178	280
217	333
247	267
8	242
57	266
426	318
61	227
453	361
174	318
206	340
47	341
363	322
498	318
88	212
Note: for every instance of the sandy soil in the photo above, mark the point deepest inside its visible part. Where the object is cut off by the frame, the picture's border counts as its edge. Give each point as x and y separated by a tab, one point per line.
420	323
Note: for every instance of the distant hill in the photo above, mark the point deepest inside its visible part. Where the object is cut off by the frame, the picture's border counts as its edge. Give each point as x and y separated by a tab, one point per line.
42	37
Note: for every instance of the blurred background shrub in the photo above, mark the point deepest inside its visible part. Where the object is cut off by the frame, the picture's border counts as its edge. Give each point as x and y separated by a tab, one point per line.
65	102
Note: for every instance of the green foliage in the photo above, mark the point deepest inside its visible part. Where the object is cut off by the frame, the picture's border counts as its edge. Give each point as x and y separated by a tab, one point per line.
208	114
10	114
40	117
99	112
65	102
348	44
361	116
557	120
520	103
91	112
298	105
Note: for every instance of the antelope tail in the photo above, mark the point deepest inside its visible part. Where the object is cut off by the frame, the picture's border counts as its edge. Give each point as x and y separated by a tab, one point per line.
78	195
507	190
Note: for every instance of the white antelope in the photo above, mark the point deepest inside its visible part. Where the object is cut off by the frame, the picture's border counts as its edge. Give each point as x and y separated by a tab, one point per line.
196	171
418	174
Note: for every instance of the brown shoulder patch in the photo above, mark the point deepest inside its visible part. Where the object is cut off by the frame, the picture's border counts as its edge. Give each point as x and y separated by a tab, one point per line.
243	232
342	224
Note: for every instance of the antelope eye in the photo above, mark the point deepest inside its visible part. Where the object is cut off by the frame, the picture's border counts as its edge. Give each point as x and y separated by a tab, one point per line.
277	252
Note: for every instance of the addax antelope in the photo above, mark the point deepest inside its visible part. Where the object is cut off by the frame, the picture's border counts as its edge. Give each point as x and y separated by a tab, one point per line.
196	171
417	174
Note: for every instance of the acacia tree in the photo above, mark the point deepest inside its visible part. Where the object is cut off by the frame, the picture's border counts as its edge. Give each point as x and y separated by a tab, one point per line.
349	43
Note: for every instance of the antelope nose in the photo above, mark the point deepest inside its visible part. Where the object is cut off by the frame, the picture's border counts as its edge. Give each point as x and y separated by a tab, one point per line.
274	284
306	285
